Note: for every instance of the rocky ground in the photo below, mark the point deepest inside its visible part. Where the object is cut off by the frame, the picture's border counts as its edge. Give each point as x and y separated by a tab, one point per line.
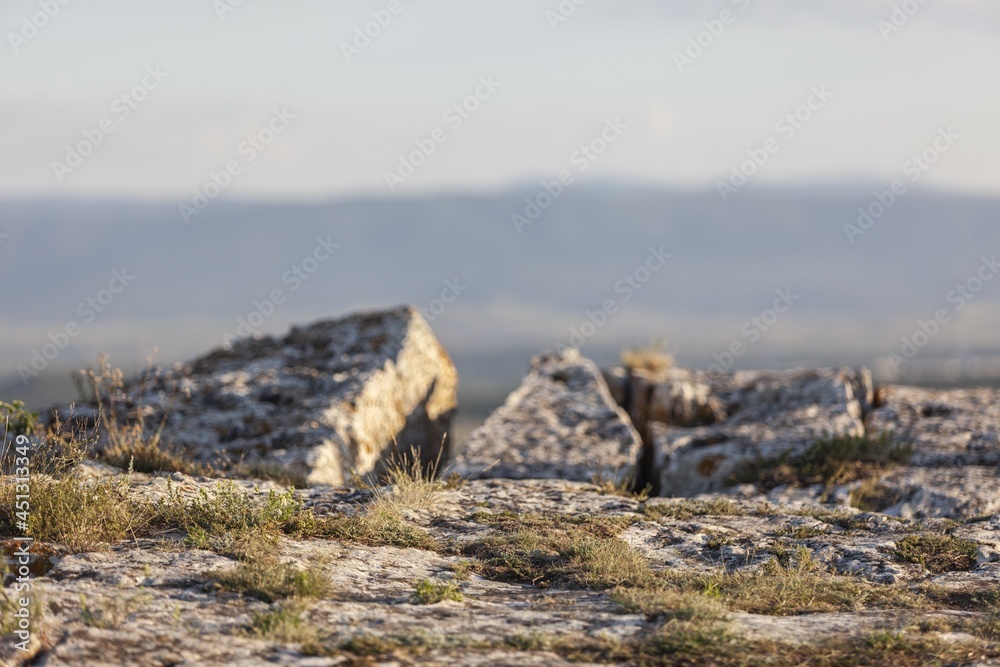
542	572
645	515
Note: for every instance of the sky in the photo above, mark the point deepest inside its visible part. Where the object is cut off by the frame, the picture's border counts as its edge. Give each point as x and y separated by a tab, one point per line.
140	100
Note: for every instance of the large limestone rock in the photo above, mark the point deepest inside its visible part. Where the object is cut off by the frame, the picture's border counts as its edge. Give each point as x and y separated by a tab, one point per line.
327	400
701	427
562	423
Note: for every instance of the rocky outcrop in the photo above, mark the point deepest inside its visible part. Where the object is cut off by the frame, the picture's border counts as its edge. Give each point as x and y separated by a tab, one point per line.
561	423
700	427
703	427
328	400
518	560
700	430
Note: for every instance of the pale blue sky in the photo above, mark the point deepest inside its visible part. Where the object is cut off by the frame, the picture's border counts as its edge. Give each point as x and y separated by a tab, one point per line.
611	58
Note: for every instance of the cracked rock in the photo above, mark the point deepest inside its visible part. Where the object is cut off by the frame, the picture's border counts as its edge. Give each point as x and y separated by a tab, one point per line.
561	423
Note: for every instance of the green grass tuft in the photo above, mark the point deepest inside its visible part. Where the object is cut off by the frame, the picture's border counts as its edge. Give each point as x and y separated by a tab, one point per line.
377	525
231	521
286	624
432	592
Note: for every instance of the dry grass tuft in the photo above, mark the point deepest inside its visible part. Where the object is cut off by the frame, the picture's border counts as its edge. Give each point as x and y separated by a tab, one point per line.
409	485
938	553
123	426
286	623
653	358
581	552
82	515
268	580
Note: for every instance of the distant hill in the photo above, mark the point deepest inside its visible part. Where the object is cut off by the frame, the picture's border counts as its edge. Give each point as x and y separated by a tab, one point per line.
513	293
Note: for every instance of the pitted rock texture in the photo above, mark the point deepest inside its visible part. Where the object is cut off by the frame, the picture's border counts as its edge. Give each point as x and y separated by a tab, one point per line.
561	423
946	427
152	602
705	425
327	400
964	493
747	416
960	492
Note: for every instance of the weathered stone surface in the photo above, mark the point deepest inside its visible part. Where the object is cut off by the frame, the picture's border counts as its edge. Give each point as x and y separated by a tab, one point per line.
750	415
326	400
677	396
149	602
692	397
561	423
703	426
945	427
958	492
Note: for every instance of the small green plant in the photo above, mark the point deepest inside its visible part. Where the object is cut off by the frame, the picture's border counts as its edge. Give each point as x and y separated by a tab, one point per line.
582	552
887	642
286	623
231	521
804	532
667	604
17	420
685	509
432	592
938	553
462	570
377	525
790	583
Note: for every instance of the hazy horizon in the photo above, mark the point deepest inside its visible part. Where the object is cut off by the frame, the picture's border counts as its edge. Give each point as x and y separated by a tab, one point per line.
854	299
